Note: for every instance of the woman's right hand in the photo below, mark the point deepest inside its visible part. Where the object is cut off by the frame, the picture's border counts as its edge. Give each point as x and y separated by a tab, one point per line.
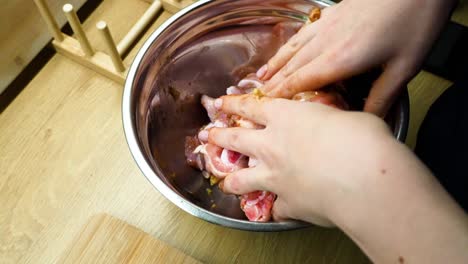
309	154
333	167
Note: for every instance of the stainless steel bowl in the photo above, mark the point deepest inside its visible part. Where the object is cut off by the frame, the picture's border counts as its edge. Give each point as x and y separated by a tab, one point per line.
202	50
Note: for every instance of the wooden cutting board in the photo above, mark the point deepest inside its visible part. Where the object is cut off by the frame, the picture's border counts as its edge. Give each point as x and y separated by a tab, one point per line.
106	239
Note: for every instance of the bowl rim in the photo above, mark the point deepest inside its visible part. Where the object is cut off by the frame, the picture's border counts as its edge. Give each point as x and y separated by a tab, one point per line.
137	154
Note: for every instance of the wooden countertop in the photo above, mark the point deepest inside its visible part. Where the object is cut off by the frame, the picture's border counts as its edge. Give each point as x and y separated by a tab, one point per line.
64	158
24	34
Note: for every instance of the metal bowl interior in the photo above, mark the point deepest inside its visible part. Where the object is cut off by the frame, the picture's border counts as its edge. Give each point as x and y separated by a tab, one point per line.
202	50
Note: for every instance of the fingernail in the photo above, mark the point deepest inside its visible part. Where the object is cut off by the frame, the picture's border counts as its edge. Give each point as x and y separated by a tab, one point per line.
262	71
218	103
203	135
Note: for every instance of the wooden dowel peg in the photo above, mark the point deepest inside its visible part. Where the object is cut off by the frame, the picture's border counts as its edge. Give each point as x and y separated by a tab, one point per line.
78	29
136	30
173	6
49	19
99	62
114	54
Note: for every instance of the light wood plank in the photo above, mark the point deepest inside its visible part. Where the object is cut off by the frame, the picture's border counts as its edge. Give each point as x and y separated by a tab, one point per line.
460	15
67	160
71	161
424	89
23	33
107	240
98	62
63	159
174	6
150	14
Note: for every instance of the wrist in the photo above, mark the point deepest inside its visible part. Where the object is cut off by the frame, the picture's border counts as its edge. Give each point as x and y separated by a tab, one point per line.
368	143
392	215
362	183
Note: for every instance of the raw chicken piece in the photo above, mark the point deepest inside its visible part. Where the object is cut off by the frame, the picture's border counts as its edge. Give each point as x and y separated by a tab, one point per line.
246	85
257	205
194	159
213	113
219	161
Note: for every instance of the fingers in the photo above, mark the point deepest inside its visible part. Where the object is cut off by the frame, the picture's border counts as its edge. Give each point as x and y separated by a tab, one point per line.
302	58
280	210
247	106
283	211
385	90
286	52
242	140
244	181
327	68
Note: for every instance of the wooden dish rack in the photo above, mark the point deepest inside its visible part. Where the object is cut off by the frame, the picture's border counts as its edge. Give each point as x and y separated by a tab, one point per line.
108	63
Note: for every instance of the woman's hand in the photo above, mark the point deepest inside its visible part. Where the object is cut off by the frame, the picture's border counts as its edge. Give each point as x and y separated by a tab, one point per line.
307	153
332	167
355	36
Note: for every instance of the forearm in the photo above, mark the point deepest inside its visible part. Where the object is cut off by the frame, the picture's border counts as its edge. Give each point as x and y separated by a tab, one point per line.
400	213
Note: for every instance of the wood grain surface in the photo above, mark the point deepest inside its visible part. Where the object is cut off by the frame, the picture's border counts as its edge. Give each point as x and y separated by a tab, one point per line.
425	88
23	34
63	159
105	239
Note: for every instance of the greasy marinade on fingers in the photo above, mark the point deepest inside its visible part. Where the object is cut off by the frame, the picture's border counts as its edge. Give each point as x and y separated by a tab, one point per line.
216	162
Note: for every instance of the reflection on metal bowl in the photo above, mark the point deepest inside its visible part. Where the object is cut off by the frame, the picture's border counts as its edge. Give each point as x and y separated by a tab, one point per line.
204	49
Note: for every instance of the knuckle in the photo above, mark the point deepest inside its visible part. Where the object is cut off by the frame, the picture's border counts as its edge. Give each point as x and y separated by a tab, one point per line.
262	145
263	180
294	41
292	85
272	107
231	183
279	211
228	103
243	111
277	216
338	59
243	101
284	53
293	45
276	60
287	69
333	57
233	139
270	181
273	63
213	134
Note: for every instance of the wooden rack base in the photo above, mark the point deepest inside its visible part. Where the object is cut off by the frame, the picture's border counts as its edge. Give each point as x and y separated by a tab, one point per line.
173	6
81	50
99	62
